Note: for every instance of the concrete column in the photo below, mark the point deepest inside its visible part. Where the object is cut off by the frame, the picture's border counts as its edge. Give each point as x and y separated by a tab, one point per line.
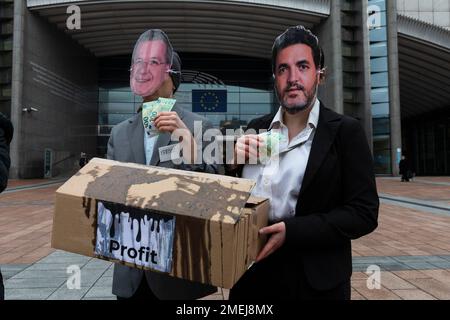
394	86
338	88
365	57
17	86
330	38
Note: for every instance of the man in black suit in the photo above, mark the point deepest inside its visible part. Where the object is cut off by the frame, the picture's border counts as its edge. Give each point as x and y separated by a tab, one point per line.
6	134
404	169
321	187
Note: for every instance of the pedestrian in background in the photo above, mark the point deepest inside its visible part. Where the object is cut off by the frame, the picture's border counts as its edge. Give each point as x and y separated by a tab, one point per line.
83	160
404	169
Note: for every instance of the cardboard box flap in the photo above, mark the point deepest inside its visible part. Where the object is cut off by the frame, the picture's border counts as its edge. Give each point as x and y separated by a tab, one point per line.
166	190
254	201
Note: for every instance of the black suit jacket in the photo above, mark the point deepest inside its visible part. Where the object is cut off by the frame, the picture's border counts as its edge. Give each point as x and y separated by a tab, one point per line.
338	202
6	134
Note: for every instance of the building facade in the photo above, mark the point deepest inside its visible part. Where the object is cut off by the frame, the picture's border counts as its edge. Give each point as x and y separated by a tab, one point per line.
64	77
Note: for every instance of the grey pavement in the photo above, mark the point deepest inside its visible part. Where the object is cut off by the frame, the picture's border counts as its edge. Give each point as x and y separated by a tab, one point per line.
433	207
48	278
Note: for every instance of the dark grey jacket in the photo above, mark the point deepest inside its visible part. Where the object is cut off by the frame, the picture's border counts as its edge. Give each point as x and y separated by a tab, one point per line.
127	144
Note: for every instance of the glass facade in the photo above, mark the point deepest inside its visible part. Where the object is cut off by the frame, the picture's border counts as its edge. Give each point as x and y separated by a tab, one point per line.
246	99
379	94
428	143
6	40
243	103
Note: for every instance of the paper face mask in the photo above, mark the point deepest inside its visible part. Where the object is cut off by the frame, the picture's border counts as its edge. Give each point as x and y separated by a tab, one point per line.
151	62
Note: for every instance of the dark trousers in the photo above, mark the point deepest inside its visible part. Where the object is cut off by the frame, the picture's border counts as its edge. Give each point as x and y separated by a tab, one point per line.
2	288
142	293
283	281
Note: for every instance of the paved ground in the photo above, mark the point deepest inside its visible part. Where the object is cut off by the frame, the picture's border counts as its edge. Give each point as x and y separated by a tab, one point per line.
411	246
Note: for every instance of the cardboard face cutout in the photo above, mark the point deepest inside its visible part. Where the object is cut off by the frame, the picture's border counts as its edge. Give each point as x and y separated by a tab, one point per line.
151	62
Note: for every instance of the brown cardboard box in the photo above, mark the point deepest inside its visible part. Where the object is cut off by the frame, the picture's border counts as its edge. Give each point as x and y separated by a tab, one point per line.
196	226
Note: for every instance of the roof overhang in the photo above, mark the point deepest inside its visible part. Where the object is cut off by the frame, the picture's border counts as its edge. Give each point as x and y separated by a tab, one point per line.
244	27
424	67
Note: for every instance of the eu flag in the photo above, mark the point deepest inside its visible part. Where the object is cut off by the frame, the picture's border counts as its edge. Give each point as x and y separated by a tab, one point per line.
209	100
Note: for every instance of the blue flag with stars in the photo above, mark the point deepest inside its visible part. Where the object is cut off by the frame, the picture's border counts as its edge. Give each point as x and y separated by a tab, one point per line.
209	100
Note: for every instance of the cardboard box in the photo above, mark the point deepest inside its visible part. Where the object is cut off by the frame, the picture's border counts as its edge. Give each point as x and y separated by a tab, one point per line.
197	226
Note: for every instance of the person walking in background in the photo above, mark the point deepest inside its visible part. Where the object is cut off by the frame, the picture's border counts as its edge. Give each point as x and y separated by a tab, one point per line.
83	160
404	169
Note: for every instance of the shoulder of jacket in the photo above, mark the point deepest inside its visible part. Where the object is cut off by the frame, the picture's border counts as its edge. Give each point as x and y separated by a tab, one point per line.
351	122
345	119
7	127
124	124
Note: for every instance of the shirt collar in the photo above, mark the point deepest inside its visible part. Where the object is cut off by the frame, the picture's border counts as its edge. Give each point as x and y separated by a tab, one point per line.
313	117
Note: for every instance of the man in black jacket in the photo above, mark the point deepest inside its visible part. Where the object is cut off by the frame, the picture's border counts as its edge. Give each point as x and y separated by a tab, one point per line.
404	169
321	185
6	133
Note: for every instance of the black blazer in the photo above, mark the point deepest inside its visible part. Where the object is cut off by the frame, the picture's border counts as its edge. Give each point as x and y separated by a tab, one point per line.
338	202
6	134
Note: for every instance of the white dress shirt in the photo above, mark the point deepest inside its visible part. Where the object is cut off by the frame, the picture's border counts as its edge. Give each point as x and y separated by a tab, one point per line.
280	179
149	144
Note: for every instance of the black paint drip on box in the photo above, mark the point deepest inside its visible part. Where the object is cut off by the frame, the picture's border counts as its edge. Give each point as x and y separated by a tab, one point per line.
134	214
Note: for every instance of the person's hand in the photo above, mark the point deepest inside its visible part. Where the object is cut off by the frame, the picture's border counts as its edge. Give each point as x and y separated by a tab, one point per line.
170	122
276	240
247	148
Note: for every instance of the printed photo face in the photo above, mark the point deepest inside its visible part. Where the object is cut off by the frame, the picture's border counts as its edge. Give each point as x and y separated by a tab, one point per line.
149	68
